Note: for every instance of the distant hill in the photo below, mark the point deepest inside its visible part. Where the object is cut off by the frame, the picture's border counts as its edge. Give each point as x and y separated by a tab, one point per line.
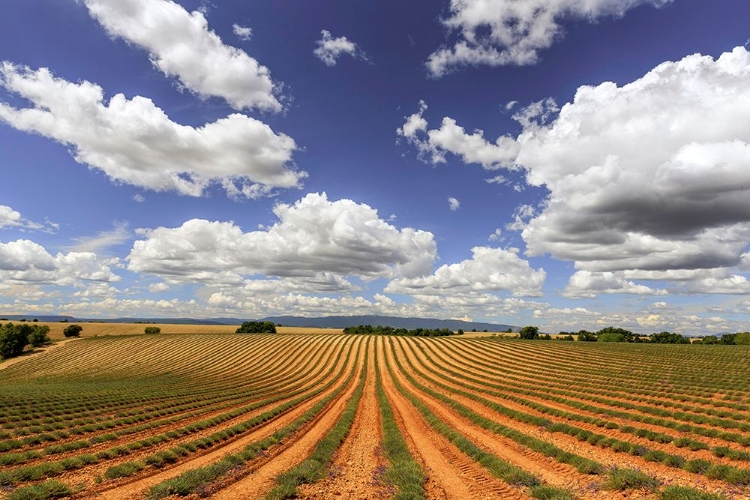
321	322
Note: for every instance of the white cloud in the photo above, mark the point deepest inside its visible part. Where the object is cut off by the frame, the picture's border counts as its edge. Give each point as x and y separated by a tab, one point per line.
12	218
105	239
590	284
651	175
24	261
512	32
139	198
489	269
134	142
330	49
497	235
181	45
433	145
313	236
158	287
243	32
453	204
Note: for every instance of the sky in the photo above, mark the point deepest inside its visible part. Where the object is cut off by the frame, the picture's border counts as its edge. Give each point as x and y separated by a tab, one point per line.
569	164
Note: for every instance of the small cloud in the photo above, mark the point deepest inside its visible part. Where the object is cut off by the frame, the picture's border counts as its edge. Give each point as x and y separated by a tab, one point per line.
497	235
392	217
117	236
158	287
329	49
498	179
139	198
510	105
13	218
243	32
453	204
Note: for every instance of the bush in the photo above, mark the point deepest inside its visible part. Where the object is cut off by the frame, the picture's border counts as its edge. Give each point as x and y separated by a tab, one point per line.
73	331
687	493
257	327
152	330
13	339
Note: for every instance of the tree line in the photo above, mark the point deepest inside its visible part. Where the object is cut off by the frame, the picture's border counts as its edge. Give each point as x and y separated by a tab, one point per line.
615	334
389	330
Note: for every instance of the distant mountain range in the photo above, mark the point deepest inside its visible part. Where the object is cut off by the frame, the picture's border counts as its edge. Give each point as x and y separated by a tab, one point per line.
322	322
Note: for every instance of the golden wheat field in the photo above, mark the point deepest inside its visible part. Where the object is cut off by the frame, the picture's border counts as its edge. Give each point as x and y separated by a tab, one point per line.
230	416
96	329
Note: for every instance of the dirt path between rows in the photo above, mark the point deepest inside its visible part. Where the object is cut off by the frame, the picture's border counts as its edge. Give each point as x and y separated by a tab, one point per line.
261	480
457	476
136	489
37	352
359	462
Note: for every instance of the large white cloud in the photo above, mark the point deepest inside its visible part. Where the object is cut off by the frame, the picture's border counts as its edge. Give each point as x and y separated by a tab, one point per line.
505	32
489	269
135	142
312	236
181	45
651	175
329	49
25	261
432	145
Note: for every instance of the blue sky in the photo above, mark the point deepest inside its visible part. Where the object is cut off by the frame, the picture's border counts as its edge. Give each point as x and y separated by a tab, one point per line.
561	163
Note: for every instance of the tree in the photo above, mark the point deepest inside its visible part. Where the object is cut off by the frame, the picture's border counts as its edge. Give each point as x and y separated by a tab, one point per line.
710	340
529	332
460	332
611	337
73	331
742	338
586	336
39	336
152	330
257	327
13	339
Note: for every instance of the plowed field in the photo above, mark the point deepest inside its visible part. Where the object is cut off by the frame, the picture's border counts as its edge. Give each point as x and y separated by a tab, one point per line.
341	416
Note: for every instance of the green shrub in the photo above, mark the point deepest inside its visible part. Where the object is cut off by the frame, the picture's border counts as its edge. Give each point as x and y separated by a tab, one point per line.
73	331
152	330
627	479
41	491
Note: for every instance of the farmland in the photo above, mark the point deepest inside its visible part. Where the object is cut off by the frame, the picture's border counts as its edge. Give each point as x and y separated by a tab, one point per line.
360	416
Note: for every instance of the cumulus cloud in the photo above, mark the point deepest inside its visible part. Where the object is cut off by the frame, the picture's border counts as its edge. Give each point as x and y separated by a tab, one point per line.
647	176
134	142
25	261
489	269
243	32
181	45
512	32
453	204
651	175
432	145
329	49
312	236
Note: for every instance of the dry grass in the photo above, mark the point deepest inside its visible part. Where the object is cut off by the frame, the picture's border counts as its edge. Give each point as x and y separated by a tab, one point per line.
101	329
